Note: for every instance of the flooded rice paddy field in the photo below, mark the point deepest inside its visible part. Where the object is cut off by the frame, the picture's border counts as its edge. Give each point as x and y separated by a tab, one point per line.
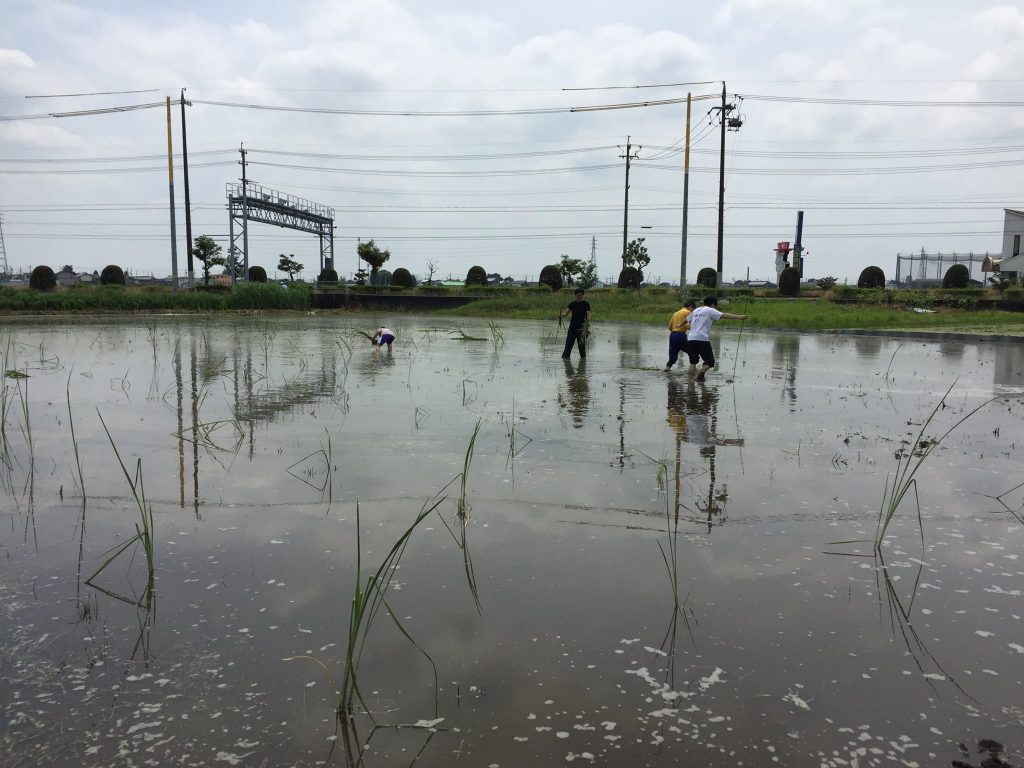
626	569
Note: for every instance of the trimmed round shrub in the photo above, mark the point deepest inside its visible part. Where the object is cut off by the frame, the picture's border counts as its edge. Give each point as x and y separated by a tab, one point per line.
476	276
257	275
871	277
629	277
402	278
707	277
112	275
551	276
42	279
327	275
789	282
956	276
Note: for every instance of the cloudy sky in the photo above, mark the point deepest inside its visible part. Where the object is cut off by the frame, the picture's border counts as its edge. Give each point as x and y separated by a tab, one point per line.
514	188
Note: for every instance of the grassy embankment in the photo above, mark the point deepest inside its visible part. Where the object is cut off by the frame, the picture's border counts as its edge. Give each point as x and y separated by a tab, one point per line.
656	307
111	298
874	310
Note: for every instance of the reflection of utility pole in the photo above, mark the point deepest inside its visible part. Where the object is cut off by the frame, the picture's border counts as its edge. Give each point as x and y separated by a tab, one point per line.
181	424
733	123
625	209
195	425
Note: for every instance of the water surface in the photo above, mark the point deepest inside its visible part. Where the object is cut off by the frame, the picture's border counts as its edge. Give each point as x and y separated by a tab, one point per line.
645	572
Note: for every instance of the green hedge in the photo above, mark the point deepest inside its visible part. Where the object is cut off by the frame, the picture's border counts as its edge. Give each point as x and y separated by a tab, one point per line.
150	299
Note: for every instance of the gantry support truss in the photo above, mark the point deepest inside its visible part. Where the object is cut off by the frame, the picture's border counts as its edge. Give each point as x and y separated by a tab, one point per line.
254	202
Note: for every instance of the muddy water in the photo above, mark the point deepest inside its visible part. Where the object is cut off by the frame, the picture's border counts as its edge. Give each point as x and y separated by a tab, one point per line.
646	573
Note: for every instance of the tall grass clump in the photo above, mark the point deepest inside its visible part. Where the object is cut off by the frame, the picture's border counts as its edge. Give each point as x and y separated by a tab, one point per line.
370	597
908	462
144	529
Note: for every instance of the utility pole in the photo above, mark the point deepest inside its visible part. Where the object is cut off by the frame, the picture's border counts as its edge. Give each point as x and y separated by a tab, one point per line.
625	208
733	123
686	197
170	178
188	207
245	222
798	245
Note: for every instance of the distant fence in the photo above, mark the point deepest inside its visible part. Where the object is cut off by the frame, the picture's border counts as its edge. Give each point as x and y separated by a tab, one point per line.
933	266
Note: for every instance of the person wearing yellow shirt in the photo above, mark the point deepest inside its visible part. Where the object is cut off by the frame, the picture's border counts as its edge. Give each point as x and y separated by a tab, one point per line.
677	327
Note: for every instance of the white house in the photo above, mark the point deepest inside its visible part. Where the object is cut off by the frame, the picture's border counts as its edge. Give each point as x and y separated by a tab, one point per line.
1013	233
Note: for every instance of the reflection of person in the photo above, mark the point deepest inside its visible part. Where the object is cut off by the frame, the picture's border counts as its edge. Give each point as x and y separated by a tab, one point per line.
698	340
578	392
677	327
383	336
579	311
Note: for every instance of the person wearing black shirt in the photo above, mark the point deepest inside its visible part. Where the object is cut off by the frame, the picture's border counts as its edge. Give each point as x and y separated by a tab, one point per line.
579	311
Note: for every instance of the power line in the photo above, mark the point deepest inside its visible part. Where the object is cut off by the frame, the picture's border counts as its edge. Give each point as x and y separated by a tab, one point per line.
878	102
94	93
441	113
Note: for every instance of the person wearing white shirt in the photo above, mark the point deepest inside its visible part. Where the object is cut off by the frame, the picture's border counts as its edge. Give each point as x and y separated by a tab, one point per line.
698	340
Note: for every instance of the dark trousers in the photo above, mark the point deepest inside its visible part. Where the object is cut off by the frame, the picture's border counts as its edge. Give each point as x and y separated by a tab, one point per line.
676	345
698	350
575	335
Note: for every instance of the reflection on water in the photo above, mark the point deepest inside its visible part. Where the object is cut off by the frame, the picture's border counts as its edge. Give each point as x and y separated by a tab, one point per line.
1008	367
647	550
575	397
867	346
785	355
693	416
952	350
629	338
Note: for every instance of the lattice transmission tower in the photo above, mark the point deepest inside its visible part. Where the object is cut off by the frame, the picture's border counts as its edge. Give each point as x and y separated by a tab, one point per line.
4	269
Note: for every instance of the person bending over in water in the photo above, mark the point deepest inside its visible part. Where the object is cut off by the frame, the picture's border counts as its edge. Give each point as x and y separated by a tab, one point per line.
383	336
698	340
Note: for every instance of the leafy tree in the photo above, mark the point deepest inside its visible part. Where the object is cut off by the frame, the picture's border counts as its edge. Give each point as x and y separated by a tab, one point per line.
828	283
289	265
257	275
707	277
957	276
636	256
382	277
207	252
871	277
588	275
402	278
360	276
570	268
68	268
374	256
476	276
551	276
630	277
42	278
112	275
789	282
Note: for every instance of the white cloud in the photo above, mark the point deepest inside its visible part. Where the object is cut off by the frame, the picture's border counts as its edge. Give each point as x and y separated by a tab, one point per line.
382	54
11	57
